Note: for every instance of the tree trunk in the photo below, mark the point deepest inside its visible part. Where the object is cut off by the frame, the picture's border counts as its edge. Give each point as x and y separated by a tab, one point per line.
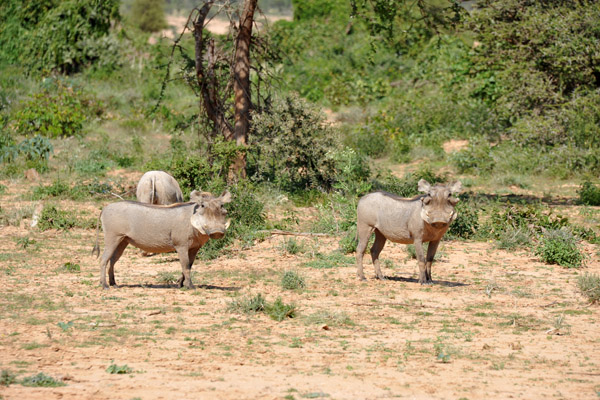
241	85
206	78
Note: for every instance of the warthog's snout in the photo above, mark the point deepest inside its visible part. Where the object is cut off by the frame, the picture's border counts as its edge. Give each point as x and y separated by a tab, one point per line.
439	225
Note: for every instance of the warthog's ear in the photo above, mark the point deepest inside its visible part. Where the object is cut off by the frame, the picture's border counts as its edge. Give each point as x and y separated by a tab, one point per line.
456	188
226	197
196	196
424	186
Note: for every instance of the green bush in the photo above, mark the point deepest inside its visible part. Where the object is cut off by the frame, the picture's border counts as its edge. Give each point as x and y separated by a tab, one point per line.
280	311
530	217
149	15
61	189
41	380
466	223
58	110
589	194
59	35
53	218
292	280
7	377
560	247
291	146
589	285
349	241
292	246
119	369
513	238
407	186
247	216
246	305
475	159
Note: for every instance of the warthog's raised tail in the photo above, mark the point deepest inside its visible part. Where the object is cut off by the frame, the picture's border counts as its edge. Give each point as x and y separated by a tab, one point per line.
96	248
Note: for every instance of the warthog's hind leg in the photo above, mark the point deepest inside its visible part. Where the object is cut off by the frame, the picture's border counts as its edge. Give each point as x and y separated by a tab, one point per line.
375	251
113	260
113	249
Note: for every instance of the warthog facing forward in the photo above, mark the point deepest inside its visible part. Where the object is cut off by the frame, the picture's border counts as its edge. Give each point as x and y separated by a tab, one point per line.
183	227
424	218
158	187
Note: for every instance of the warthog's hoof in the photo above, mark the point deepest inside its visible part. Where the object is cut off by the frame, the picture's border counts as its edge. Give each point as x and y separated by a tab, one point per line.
381	277
361	278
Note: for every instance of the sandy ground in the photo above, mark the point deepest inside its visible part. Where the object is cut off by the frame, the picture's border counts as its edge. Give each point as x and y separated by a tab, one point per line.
495	324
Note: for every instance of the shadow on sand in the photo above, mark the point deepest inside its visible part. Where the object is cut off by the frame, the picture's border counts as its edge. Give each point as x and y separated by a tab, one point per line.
174	286
415	280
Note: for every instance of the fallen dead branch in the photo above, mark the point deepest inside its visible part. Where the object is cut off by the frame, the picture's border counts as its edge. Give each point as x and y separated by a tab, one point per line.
391	304
290	233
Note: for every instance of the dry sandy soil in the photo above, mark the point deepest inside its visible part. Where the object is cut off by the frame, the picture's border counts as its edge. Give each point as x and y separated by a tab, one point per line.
495	325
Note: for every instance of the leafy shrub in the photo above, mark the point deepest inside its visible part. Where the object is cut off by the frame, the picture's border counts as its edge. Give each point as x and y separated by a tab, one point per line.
7	377
53	218
41	380
589	285
336	214
167	277
292	280
558	246
530	217
407	186
513	238
149	15
57	111
60	189
368	141
589	194
56	35
118	369
475	159
466	223
72	267
245	305
291	246
349	241
280	311
290	146
351	172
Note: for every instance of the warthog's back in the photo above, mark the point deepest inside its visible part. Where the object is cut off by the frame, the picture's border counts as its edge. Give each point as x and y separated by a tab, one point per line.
147	226
158	187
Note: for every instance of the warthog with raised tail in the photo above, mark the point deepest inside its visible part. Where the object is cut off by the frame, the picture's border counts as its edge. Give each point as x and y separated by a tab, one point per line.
424	218
158	187
182	227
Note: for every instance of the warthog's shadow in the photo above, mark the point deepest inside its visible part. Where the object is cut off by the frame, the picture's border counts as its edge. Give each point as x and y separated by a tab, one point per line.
415	280
174	286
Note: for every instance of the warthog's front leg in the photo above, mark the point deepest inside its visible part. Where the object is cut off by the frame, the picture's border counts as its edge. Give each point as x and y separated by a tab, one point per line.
421	261
186	258
431	250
